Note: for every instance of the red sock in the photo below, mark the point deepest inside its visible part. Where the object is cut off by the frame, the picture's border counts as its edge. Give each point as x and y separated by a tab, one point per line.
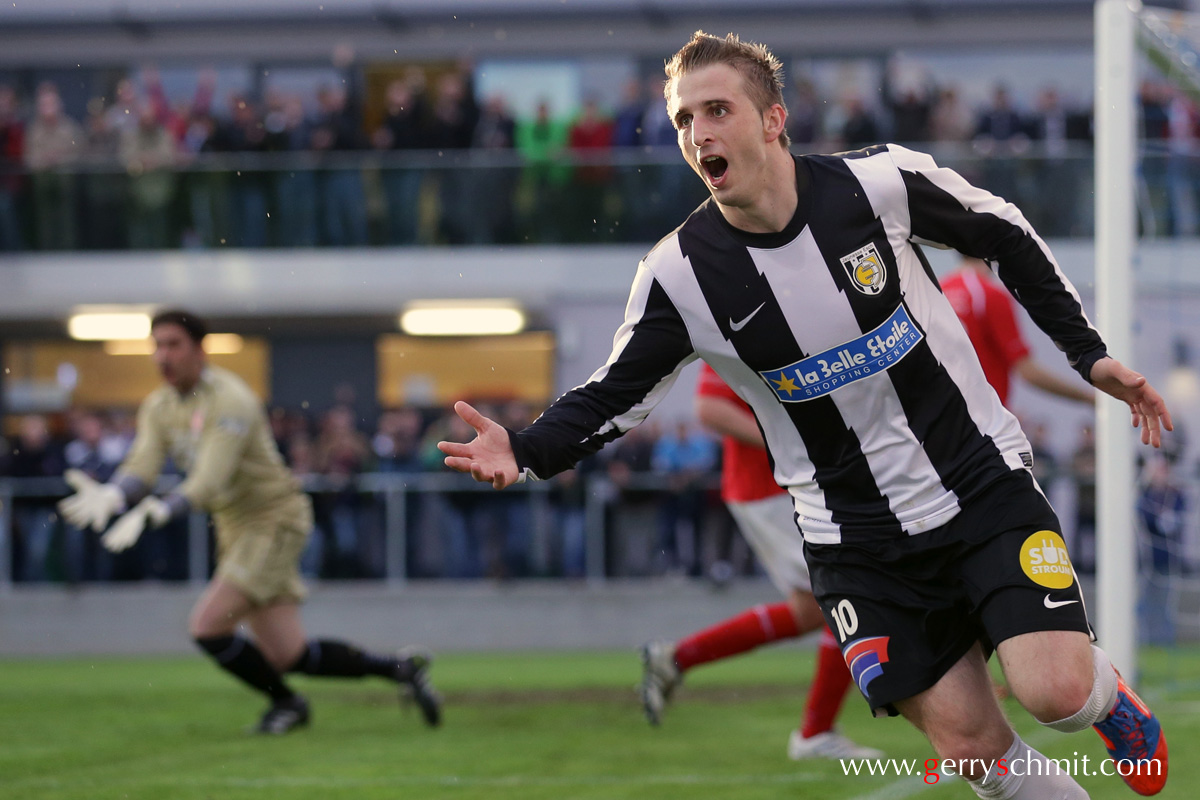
750	629
830	681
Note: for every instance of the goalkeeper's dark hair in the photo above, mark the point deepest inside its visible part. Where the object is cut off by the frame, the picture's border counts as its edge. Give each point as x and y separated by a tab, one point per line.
194	326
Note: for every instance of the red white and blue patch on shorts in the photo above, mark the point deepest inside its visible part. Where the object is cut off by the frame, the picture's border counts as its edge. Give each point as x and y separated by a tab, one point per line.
865	658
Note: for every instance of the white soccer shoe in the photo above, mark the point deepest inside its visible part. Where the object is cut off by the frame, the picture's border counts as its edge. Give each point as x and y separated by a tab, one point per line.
660	676
829	744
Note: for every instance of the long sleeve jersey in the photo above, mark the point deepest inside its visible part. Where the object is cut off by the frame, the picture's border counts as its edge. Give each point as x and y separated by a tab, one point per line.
875	410
218	435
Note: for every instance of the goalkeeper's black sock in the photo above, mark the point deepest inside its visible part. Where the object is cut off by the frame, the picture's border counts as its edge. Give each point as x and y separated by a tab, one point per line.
333	659
239	657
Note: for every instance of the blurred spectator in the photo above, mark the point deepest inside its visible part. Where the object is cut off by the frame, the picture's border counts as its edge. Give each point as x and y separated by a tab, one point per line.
950	120
344	204
859	128
911	117
1082	547
122	112
590	138
627	123
53	143
295	190
1181	165
1161	509
1000	136
341	454
1153	99
103	191
148	153
34	455
1045	462
804	117
688	457
403	130
397	441
495	134
452	128
631	178
12	148
542	141
244	132
632	517
1053	126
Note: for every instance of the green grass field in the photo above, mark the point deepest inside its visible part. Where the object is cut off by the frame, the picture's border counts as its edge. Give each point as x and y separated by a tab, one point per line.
557	725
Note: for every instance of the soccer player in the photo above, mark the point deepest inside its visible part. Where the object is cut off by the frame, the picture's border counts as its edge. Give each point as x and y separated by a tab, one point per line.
210	424
987	313
764	514
802	283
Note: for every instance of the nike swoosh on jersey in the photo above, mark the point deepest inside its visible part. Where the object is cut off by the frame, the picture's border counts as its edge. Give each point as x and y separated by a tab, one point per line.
737	326
1056	603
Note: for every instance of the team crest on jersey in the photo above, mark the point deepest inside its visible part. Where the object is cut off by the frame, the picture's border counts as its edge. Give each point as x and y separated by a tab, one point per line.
865	268
865	658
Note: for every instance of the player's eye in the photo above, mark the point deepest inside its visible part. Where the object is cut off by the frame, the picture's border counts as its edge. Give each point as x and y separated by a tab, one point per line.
720	111
683	120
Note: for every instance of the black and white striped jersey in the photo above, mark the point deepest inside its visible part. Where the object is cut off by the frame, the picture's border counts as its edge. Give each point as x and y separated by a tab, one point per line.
869	395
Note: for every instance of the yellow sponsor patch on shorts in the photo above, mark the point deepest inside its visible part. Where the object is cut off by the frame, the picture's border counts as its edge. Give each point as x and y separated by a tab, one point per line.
1044	560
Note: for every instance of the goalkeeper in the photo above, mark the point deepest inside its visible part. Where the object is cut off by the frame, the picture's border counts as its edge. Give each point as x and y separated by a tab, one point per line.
213	428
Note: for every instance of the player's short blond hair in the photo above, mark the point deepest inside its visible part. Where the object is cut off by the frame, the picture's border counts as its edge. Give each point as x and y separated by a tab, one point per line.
761	71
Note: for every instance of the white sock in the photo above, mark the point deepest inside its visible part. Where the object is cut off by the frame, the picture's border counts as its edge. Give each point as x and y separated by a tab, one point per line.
1101	700
1025	774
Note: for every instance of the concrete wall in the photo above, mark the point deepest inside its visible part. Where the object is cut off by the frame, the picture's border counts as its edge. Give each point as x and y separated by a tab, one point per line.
441	615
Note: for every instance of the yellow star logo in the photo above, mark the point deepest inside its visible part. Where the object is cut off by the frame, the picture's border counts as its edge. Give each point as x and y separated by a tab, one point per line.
784	384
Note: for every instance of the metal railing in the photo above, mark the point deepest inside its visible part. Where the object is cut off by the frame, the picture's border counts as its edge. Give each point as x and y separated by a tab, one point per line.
390	497
397	198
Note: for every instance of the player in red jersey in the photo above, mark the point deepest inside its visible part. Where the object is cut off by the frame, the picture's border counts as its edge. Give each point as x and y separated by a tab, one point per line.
986	311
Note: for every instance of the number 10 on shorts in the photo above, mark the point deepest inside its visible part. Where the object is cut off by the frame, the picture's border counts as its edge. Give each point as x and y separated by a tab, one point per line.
845	618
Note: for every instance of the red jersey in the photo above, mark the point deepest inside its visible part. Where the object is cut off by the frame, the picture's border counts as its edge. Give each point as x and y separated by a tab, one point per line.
745	469
986	311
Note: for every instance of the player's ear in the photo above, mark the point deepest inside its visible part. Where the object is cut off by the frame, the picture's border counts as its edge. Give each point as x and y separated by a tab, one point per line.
774	120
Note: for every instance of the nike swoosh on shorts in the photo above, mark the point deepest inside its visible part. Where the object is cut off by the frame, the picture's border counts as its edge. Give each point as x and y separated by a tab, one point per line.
1056	603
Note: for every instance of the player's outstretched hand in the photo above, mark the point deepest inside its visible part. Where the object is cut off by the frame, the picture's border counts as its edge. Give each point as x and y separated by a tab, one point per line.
488	457
1148	409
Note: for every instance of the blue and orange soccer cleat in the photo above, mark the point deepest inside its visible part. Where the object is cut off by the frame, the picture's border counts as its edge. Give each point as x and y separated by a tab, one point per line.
1135	741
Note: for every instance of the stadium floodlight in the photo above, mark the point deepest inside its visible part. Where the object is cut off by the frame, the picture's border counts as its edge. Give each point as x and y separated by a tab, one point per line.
462	318
109	325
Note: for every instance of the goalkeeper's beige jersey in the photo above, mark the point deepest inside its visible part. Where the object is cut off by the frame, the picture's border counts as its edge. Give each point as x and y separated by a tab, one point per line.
218	435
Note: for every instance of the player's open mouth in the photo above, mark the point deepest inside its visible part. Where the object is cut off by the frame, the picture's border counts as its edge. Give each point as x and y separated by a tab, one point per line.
715	166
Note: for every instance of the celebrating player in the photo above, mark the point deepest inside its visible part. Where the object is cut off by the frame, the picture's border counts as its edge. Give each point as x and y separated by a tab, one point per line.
212	427
802	283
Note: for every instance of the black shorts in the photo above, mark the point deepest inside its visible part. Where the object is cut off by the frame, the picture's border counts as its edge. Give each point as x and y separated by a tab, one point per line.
905	610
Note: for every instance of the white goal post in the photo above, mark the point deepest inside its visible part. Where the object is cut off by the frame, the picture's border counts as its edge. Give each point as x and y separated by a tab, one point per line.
1116	232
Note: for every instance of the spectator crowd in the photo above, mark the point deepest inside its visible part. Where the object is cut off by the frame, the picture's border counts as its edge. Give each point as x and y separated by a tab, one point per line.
427	161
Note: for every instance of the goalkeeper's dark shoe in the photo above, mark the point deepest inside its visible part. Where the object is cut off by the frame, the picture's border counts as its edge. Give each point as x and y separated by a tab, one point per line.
412	673
284	716
1135	741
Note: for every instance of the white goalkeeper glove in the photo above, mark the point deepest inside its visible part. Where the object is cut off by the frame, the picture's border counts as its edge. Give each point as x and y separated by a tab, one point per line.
93	503
151	512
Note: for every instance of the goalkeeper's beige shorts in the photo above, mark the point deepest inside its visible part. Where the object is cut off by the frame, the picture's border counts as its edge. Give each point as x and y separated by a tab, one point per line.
260	552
